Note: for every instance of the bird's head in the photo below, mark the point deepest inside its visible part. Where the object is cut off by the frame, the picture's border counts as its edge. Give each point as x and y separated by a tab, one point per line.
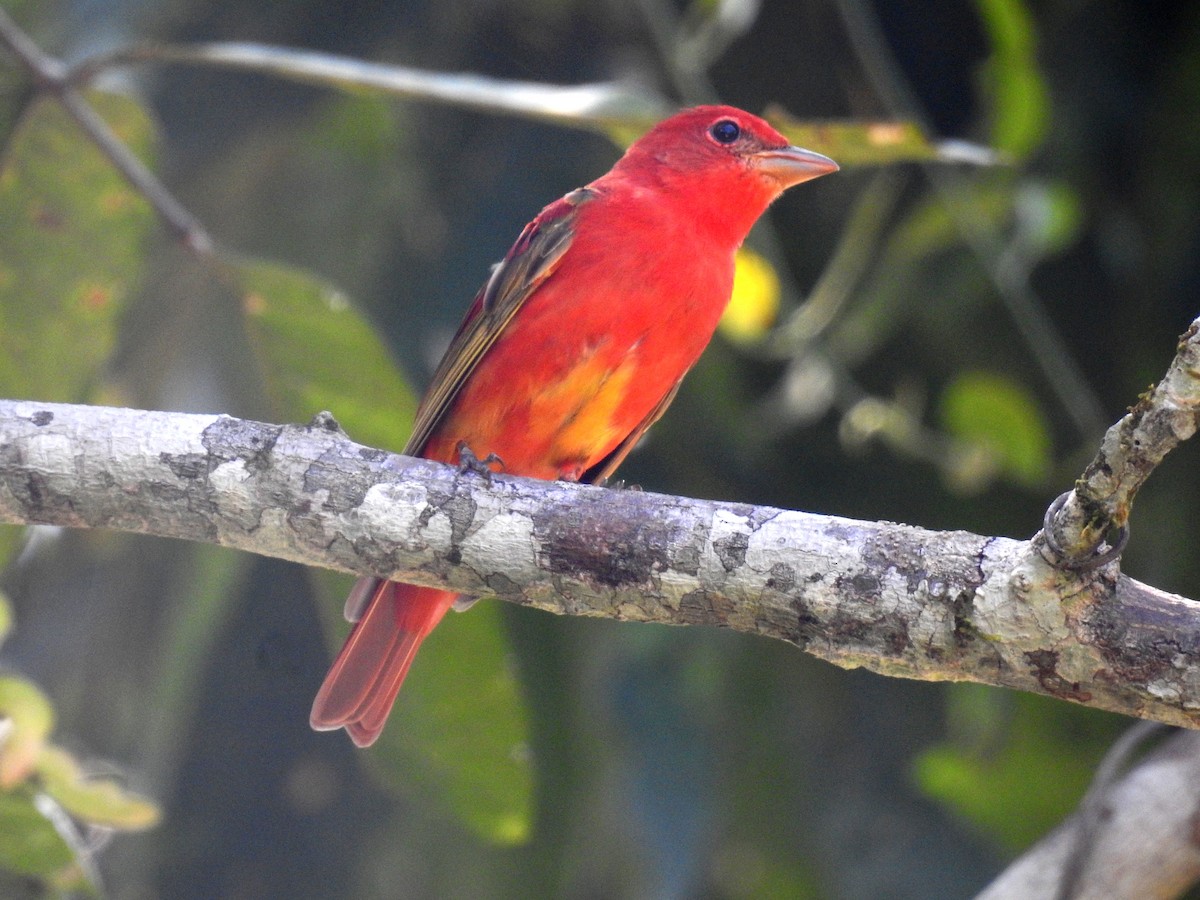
723	160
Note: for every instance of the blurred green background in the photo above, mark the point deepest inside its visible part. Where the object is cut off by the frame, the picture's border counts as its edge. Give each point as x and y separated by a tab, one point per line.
951	341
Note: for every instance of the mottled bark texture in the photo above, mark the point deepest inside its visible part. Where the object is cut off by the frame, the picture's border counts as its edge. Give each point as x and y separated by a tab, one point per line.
1163	417
893	598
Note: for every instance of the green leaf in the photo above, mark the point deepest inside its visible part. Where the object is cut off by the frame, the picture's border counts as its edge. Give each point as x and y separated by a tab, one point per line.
1030	774
1020	104
98	801
12	538
29	843
317	353
998	414
71	233
30	720
6	617
459	732
1048	217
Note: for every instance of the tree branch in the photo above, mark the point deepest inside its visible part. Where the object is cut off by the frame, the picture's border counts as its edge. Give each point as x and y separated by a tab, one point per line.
896	599
1165	416
1141	834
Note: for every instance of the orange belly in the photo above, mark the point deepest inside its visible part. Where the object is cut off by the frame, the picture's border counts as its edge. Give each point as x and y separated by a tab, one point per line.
591	354
553	428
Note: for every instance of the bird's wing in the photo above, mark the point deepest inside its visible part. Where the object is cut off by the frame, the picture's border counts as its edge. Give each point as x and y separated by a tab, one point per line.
532	259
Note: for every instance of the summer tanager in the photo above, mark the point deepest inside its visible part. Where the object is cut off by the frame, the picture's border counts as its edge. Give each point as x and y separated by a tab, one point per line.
574	347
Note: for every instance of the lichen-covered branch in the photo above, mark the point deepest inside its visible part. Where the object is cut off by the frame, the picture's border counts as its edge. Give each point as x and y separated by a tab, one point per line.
896	599
1166	415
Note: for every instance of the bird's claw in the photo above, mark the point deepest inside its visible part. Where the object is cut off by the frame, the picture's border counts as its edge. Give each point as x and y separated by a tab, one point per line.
469	462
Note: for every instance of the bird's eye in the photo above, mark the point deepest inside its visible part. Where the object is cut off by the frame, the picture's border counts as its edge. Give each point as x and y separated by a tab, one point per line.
725	131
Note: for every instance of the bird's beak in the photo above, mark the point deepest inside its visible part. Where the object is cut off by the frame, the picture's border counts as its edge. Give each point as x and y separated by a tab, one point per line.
793	165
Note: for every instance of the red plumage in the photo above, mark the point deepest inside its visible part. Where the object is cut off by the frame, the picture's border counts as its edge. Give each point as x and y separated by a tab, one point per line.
576	345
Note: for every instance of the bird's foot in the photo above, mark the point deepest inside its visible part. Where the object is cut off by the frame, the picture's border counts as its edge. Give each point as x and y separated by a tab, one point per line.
469	462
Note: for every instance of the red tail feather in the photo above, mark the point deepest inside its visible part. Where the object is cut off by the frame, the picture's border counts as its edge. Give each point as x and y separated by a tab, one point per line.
366	676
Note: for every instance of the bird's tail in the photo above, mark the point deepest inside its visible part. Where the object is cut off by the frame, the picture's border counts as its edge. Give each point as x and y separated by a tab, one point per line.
363	681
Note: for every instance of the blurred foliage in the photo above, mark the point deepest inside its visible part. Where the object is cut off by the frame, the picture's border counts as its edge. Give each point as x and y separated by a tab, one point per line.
42	784
11	539
15	90
1048	218
586	762
465	742
754	305
79	238
97	801
30	718
1012	79
917	252
30	845
72	236
869	143
1013	767
315	352
6	617
997	413
188	641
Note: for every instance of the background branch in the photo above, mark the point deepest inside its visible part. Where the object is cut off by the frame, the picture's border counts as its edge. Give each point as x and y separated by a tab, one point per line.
1141	834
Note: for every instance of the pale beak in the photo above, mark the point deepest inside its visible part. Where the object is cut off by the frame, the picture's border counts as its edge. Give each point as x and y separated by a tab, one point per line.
793	165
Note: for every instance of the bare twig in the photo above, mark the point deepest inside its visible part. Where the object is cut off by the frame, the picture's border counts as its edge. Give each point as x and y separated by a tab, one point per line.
52	77
602	106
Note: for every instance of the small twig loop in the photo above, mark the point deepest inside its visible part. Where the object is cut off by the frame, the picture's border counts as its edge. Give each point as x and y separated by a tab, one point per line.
1065	560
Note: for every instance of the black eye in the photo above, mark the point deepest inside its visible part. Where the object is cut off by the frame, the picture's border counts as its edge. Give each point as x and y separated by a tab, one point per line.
725	132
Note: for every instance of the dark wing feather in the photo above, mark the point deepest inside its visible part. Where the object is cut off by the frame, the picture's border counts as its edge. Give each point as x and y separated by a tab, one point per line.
531	260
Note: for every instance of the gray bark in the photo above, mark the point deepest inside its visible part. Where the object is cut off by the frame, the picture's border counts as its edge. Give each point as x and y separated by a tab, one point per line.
900	600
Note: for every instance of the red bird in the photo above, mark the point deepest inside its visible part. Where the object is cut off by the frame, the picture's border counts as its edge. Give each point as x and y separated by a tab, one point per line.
575	346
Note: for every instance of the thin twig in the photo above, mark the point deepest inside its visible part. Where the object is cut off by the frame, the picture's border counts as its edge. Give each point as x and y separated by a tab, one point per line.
52	77
607	107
